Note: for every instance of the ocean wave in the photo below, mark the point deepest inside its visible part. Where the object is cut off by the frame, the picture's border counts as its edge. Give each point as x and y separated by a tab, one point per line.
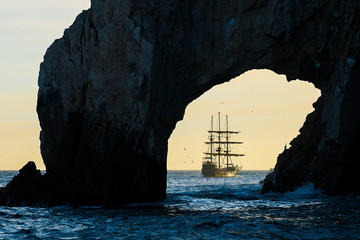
197	208
307	191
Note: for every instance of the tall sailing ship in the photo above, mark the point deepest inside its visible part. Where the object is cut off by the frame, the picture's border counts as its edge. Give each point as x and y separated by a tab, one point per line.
217	161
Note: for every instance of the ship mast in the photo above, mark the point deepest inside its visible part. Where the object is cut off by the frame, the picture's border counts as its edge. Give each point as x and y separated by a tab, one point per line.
219	149
211	139
227	142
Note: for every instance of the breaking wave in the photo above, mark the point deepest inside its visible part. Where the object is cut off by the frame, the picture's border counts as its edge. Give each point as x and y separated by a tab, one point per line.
196	208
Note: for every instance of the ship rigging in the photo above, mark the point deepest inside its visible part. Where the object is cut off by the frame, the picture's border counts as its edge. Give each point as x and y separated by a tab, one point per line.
217	161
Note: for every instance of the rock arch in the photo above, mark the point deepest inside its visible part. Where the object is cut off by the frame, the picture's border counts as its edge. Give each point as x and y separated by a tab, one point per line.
266	109
113	87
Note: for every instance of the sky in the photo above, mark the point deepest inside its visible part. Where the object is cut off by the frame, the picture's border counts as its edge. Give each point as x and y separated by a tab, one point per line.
263	106
266	109
27	29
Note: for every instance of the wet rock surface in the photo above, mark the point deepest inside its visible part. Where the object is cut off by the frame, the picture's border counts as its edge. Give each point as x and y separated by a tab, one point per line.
112	89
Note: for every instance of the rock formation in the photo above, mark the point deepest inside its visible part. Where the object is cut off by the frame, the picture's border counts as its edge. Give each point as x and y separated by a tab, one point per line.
112	89
23	187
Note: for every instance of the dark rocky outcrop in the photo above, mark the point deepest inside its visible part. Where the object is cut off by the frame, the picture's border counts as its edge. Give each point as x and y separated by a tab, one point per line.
113	87
24	188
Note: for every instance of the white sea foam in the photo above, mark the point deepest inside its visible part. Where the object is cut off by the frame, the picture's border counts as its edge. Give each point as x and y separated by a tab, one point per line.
196	208
306	191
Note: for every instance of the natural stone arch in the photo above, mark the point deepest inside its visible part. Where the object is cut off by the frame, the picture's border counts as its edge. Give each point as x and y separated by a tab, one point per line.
267	109
113	87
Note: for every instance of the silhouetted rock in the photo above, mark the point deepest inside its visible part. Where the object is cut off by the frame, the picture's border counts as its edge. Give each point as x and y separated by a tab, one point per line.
24	188
112	89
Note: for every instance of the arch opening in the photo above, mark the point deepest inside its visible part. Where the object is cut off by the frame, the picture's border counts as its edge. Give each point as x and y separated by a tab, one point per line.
266	109
140	71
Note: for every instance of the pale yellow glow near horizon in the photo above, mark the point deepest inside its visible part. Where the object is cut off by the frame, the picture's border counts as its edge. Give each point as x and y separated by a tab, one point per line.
266	108
27	29
19	127
262	105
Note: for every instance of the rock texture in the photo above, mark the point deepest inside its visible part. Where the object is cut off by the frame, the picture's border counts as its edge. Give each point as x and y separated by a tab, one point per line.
113	87
24	187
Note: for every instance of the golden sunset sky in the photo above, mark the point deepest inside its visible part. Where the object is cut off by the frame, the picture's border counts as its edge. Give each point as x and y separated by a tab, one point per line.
266	108
27	29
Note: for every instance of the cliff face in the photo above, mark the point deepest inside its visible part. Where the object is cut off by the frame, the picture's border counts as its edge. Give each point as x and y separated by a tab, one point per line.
324	152
113	87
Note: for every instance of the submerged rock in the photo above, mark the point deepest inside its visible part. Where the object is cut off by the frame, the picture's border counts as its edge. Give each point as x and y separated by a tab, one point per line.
112	89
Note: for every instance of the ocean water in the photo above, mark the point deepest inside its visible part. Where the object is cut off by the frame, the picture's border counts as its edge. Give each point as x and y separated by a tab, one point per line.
196	208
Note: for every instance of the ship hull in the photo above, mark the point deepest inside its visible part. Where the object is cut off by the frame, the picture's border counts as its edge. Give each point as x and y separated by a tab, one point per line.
210	169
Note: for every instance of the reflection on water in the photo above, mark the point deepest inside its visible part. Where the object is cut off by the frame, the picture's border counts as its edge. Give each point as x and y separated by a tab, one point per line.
196	208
